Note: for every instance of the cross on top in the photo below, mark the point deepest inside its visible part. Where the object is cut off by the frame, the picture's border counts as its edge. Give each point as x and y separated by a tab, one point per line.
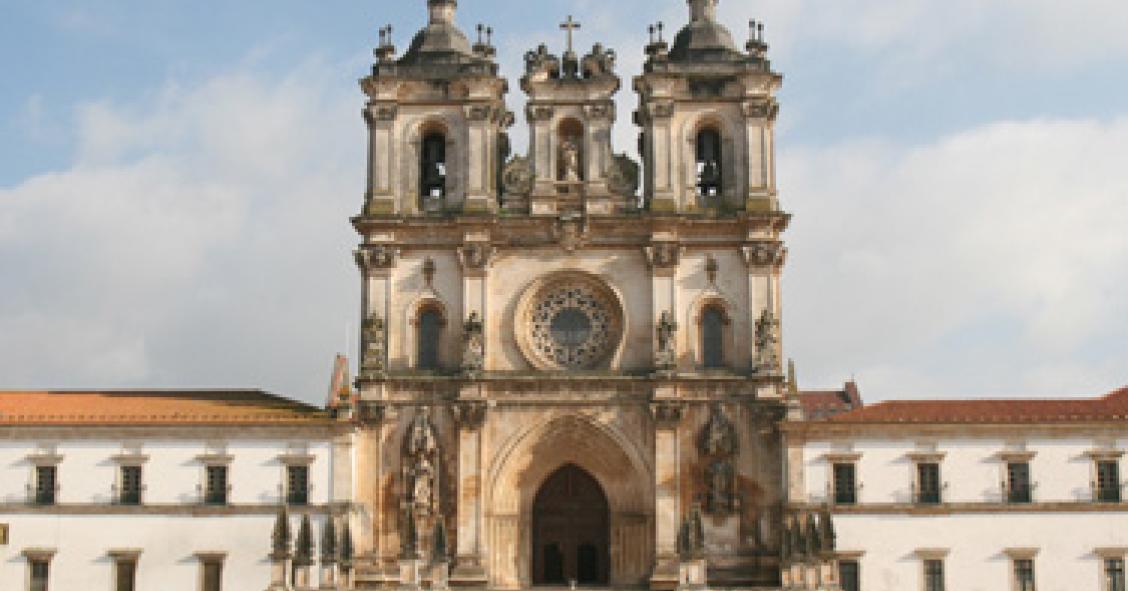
570	26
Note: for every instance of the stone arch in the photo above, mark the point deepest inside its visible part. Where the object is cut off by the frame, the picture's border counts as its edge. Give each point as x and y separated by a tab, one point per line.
593	443
451	126
732	155
712	299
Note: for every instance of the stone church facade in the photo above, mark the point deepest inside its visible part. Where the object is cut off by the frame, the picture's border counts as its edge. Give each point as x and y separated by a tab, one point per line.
570	364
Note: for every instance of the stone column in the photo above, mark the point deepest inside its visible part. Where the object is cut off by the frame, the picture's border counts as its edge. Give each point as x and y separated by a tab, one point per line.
664	157
667	511
380	198
369	525
469	571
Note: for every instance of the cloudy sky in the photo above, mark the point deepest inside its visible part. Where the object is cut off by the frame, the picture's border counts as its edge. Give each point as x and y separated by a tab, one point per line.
176	178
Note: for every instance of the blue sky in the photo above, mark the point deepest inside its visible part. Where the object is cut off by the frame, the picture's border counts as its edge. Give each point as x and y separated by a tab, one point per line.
175	180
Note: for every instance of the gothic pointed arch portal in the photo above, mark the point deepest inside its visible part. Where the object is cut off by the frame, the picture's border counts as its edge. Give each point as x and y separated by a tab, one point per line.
571	530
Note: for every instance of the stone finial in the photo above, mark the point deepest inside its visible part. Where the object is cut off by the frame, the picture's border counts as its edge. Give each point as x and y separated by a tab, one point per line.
280	538
328	542
303	545
441	12
702	10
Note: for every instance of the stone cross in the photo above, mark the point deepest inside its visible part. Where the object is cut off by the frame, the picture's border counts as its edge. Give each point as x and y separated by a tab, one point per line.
570	26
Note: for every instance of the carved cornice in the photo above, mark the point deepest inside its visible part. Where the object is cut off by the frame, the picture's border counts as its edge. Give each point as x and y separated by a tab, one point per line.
765	254
470	415
476	256
371	412
664	256
376	257
667	415
761	109
539	112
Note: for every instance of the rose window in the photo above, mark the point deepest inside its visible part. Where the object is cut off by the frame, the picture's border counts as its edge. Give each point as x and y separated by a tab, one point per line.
572	324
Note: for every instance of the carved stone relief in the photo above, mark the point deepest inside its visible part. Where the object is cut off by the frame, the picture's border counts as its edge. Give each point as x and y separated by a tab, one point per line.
665	354
517	177
473	344
718	445
767	341
374	356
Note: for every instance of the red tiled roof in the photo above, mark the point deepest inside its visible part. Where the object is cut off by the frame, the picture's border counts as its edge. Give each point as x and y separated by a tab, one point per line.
1111	407
822	404
126	407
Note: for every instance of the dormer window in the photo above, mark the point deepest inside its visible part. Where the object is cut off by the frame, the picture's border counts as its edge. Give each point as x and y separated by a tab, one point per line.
709	180
433	167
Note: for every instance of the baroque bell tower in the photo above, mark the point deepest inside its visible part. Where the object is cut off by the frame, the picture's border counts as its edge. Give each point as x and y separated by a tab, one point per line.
570	360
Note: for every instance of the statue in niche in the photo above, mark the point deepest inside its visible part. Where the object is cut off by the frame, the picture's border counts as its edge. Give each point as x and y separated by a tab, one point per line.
421	468
665	357
767	341
718	445
372	361
570	160
473	344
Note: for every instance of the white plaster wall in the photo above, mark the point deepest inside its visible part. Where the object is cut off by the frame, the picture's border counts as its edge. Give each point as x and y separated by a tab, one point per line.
1060	468
1065	562
167	535
171	475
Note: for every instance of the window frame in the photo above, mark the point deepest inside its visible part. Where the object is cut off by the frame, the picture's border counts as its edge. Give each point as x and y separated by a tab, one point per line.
38	557
857	565
41	495
699	161
205	559
836	491
429	310
723	322
935	495
1112	555
121	557
933	556
1109	494
1023	495
929	574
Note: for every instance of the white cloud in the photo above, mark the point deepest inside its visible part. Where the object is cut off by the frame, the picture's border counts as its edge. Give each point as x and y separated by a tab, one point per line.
200	238
992	261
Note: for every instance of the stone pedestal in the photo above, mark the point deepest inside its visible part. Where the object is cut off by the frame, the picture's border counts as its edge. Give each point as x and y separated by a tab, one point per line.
301	579
278	574
692	575
440	576
328	579
411	574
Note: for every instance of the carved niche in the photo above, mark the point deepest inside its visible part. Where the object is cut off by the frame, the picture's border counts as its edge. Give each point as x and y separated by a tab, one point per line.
665	353
421	468
473	344
718	445
373	357
767	341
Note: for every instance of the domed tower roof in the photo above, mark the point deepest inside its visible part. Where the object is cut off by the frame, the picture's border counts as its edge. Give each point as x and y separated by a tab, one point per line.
440	41
704	39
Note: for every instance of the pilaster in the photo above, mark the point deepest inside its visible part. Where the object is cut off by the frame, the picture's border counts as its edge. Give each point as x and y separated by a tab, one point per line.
470	416
667	416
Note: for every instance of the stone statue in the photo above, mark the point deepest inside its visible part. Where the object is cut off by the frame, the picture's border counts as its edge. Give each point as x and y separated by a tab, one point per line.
373	357
665	356
570	160
541	63
767	340
421	472
718	444
600	62
517	177
623	176
473	344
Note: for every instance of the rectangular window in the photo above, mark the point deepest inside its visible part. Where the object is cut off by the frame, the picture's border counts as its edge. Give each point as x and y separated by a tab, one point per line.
46	478
933	575
215	489
1108	481
1018	482
1024	574
928	483
40	570
845	484
848	575
297	485
212	574
130	485
1114	574
125	574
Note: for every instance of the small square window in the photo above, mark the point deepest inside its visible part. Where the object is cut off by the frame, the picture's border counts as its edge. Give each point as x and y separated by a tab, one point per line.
39	573
845	484
215	488
297	485
1024	574
211	574
1018	482
1114	574
46	484
1108	481
125	574
130	493
928	483
848	575
934	575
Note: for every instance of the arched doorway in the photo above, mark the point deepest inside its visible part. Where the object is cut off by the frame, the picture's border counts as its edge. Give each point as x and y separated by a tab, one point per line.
571	530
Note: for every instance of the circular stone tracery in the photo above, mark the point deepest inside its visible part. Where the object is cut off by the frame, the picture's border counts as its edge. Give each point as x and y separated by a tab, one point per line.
569	323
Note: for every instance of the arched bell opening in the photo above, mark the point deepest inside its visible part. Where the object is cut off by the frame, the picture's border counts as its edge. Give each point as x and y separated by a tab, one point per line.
571	530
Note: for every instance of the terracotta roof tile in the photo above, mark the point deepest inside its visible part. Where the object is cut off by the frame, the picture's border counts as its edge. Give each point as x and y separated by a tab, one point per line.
1111	407
821	404
147	407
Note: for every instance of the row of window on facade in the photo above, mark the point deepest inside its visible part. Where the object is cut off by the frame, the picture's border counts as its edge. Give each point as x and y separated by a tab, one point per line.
1016	486
124	570
130	487
430	321
1022	573
433	167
